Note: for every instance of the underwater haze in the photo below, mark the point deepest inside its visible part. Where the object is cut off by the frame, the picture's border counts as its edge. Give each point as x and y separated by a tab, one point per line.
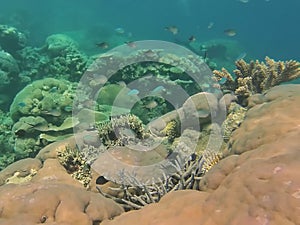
261	27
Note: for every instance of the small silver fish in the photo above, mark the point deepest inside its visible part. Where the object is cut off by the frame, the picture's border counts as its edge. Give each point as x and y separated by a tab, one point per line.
151	104
133	92
158	90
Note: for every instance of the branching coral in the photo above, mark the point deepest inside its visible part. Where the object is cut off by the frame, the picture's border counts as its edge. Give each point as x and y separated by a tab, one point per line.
121	130
75	164
257	77
172	130
188	175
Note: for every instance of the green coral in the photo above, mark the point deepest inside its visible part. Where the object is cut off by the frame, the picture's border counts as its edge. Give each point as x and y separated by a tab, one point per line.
150	107
47	98
41	112
7	154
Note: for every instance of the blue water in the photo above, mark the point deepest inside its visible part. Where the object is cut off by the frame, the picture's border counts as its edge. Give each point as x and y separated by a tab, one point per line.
262	27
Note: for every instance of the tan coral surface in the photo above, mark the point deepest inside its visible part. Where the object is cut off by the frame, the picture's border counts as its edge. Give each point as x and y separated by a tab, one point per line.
258	183
51	196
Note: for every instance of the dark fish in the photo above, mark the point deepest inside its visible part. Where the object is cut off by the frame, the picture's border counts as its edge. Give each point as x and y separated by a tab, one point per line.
205	54
150	53
53	90
21	104
103	45
173	29
230	32
101	180
192	38
131	44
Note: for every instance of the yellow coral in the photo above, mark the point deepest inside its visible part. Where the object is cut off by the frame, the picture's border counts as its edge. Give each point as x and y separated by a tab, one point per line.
171	130
257	77
210	159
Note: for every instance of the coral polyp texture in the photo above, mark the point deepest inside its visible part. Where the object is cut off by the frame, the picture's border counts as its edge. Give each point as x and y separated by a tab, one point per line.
257	77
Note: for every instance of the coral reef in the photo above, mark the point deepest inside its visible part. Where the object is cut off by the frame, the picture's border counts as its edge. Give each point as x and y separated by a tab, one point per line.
172	130
49	98
59	58
280	108
121	131
257	77
44	186
7	154
42	114
236	115
260	185
75	164
11	39
9	76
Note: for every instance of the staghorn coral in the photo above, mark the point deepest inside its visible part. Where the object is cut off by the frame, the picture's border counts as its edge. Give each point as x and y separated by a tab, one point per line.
136	195
257	77
132	194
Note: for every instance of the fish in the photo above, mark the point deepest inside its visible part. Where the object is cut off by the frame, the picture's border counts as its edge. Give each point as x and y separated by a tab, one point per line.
230	32
99	79
120	30
243	1
22	104
53	90
151	104
223	80
130	44
150	53
192	38
173	29
68	108
158	90
103	45
210	25
241	56
133	92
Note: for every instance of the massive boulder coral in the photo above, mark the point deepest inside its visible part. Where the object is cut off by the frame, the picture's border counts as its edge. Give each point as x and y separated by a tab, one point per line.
258	183
32	194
